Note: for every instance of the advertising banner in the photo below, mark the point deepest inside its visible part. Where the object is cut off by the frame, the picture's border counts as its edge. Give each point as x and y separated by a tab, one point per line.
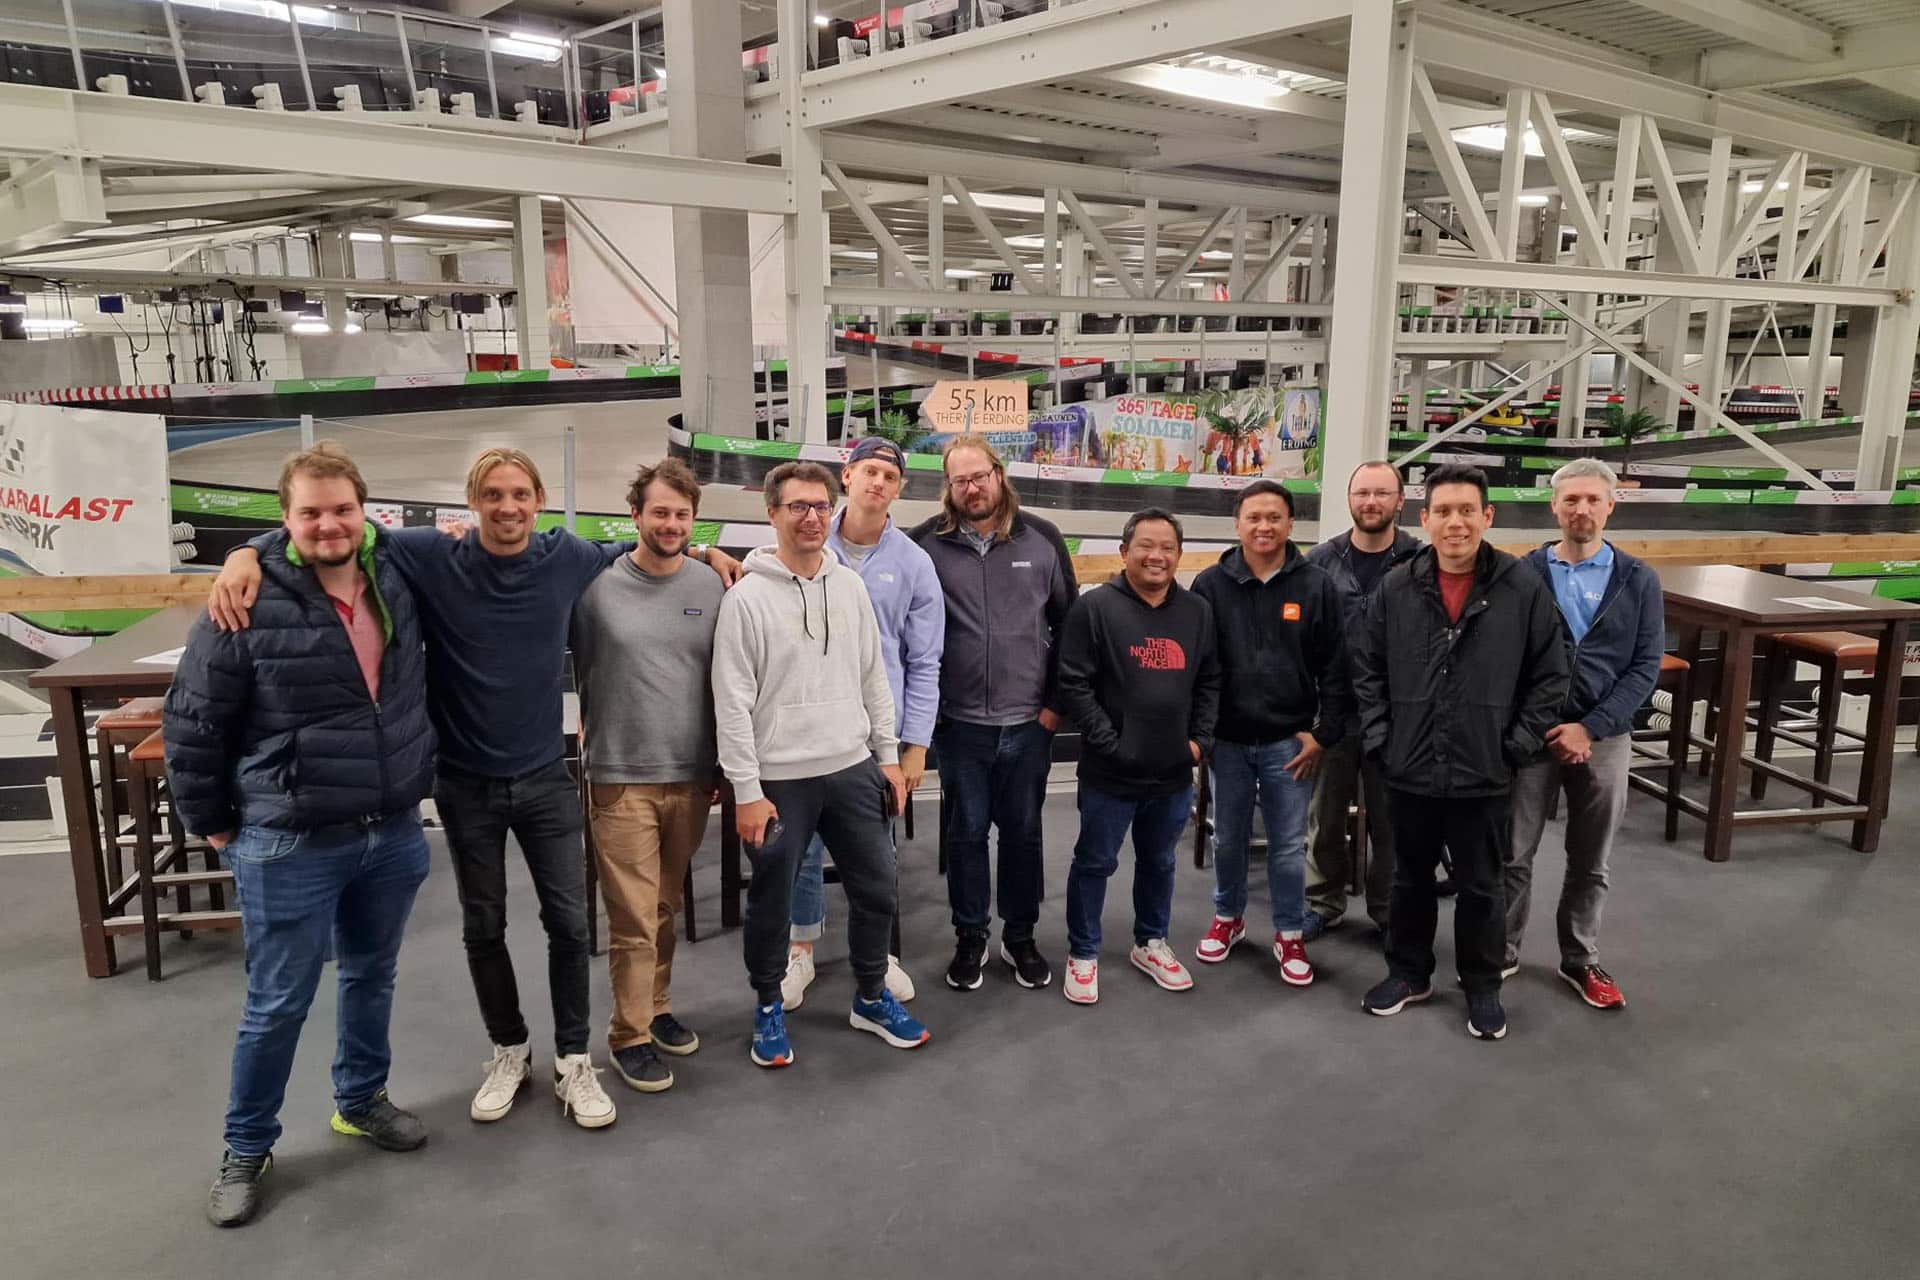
84	491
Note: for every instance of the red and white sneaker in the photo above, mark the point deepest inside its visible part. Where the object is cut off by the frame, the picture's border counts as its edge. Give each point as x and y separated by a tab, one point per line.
1295	970
1594	984
1083	981
1221	935
1156	959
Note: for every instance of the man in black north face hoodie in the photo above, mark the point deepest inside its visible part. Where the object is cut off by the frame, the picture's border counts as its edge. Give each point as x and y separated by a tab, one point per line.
1139	676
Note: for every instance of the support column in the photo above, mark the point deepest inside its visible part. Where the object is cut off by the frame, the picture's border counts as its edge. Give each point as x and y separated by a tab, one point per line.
1890	376
1574	378
805	235
1372	215
336	263
530	285
712	259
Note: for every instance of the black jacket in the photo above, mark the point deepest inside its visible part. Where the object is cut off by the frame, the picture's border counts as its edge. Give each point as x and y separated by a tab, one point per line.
1004	613
1283	652
1335	557
1141	682
1452	709
273	727
1617	663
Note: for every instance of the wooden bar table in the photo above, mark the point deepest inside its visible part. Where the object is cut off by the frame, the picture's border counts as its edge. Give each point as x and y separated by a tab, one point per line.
1743	605
103	673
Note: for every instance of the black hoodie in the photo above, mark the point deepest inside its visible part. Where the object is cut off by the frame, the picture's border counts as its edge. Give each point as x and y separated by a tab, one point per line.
1282	650
1141	682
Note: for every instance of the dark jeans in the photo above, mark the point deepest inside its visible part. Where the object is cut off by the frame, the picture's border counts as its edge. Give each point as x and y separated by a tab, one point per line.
1477	831
299	892
994	775
848	809
542	810
1104	822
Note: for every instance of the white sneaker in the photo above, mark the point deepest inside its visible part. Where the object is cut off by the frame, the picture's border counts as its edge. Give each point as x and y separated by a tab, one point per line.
898	983
1083	981
577	1085
793	987
508	1072
1157	961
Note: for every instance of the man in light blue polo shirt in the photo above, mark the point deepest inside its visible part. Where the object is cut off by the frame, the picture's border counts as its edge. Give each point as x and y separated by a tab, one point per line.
1615	625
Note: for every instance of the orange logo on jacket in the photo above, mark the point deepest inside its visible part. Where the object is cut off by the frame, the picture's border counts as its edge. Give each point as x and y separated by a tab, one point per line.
1290	611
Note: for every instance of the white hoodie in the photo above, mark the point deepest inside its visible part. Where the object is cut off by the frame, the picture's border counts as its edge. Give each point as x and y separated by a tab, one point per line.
799	685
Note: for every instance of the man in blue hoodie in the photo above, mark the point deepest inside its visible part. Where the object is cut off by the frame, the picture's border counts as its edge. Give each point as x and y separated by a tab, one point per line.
912	614
1615	621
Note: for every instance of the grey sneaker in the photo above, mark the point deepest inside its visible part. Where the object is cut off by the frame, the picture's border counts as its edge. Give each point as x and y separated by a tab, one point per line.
235	1195
642	1067
385	1125
670	1035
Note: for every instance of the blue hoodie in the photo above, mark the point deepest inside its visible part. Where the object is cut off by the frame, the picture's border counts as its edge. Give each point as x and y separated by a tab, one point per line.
1617	663
912	613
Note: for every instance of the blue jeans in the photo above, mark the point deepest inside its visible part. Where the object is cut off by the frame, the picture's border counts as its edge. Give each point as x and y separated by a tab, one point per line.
1104	821
1242	774
298	891
810	893
994	775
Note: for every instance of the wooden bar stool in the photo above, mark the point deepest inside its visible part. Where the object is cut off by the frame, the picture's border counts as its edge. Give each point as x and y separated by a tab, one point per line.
123	727
1836	655
146	776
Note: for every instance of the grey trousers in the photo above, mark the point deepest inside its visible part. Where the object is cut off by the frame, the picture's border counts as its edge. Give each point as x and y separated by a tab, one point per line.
1328	861
1596	797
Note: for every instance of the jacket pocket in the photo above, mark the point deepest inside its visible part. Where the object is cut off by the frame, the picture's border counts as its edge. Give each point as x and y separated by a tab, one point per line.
1154	744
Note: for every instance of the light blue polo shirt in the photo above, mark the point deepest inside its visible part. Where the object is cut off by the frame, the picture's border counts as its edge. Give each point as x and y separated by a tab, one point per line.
1578	587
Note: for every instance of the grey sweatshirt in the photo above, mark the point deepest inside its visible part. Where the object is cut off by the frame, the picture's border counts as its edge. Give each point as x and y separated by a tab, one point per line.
799	683
642	650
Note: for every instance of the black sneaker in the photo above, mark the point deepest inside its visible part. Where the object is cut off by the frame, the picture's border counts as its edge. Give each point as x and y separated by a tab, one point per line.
235	1195
1030	968
385	1125
642	1068
672	1036
1486	1020
968	955
1394	994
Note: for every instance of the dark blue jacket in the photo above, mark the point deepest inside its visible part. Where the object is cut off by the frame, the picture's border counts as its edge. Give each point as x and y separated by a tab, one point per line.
1616	665
1333	557
273	726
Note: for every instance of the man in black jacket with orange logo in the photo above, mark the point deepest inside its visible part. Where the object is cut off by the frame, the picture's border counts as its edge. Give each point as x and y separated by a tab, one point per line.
1283	656
1460	669
1139	676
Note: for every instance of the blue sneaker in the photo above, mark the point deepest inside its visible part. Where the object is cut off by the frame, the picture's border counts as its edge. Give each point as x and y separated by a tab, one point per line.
770	1047
888	1019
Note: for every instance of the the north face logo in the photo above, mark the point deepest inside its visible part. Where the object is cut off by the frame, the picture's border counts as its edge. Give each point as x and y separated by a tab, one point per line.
1159	654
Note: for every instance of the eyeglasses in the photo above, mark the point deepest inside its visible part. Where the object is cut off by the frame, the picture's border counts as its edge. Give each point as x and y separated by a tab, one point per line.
977	480
801	510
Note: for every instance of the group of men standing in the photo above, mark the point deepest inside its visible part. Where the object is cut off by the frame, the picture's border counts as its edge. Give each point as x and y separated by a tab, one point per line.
347	672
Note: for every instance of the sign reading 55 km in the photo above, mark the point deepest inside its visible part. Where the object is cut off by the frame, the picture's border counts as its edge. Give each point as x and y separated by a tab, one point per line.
994	406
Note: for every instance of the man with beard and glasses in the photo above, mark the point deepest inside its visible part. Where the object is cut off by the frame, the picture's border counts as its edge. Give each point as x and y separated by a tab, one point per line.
1615	621
1356	561
642	658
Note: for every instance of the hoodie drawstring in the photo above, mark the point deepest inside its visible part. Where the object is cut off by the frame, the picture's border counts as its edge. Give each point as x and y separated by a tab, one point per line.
826	617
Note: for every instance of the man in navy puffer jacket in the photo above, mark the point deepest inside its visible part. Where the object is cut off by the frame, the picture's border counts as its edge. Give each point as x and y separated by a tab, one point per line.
301	749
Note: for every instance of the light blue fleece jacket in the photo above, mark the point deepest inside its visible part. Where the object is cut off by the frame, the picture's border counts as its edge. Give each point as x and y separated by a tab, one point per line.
912	613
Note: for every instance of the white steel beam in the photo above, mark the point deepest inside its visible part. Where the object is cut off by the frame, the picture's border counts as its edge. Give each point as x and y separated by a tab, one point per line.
1752	23
1845	201
1513	173
1890	376
358	145
1741	240
804	241
1626	179
1101	245
1150	257
1166	80
1453	170
1200	246
1423	269
1885	46
1573	192
1675	224
860	296
1001	170
936	232
984	225
1278	257
1887	224
48	200
875	228
1058	44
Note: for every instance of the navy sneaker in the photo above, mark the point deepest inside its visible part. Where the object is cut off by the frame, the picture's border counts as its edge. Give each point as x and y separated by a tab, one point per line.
770	1047
1394	994
1316	925
888	1019
670	1035
1486	1020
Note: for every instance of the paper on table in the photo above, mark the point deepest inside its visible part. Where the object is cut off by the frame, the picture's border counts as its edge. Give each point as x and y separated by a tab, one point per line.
165	658
1819	602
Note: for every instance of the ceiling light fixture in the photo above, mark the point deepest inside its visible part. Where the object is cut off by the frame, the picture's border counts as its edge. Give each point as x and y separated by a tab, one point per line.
312	327
461	220
519	46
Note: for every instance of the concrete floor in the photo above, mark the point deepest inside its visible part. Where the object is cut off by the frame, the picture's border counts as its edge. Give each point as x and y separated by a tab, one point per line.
1748	1115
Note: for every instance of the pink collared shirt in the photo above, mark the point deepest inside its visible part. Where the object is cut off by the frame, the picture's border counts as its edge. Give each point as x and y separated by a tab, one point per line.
362	620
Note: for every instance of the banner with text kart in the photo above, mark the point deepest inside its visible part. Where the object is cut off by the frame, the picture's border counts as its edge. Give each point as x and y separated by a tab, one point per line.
83	490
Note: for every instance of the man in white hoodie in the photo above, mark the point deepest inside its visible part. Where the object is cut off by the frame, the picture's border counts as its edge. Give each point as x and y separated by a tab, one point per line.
805	725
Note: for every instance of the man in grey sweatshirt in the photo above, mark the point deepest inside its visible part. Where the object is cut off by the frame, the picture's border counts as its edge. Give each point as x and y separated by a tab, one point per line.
805	725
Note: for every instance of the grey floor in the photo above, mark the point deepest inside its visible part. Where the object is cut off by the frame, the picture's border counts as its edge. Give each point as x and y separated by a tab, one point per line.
1750	1114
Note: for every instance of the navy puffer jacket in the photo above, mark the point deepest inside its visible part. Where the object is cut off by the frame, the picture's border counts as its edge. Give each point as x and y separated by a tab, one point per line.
273	726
